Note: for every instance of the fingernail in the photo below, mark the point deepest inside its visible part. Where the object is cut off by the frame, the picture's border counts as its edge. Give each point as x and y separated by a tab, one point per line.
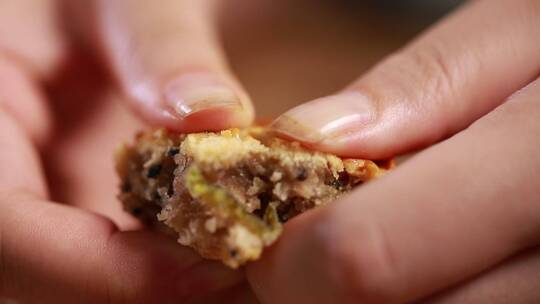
195	92
327	119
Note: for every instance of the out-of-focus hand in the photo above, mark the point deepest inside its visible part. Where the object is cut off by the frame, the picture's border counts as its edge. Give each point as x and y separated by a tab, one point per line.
63	235
464	213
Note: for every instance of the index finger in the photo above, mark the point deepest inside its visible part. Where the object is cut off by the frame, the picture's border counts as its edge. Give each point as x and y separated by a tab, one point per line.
170	65
452	211
455	73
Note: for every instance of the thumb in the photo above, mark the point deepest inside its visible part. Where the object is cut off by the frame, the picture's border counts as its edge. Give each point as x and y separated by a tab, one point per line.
170	65
438	85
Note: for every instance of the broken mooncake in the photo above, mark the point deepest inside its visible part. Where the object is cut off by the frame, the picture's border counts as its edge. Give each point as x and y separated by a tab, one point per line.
226	194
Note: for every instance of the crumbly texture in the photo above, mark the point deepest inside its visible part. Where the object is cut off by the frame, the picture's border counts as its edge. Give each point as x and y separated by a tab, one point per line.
227	194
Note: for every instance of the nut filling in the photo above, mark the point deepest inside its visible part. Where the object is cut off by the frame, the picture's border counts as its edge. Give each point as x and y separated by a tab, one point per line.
227	194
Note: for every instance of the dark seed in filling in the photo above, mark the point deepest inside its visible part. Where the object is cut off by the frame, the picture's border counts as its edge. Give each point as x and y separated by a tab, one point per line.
265	199
341	182
173	151
154	171
302	174
335	183
136	211
343	179
244	172
284	212
126	187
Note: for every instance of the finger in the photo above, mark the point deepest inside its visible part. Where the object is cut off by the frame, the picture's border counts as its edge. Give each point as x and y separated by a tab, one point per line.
449	77
169	63
19	160
447	214
20	96
56	254
31	48
29	32
515	281
240	294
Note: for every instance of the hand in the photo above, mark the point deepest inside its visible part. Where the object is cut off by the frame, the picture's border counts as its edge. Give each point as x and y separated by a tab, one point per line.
63	236
458	214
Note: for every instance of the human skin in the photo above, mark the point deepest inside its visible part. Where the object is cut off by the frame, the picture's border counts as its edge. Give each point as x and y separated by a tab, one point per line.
452	229
63	235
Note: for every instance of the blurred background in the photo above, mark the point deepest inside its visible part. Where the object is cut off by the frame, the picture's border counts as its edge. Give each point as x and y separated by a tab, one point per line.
287	52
